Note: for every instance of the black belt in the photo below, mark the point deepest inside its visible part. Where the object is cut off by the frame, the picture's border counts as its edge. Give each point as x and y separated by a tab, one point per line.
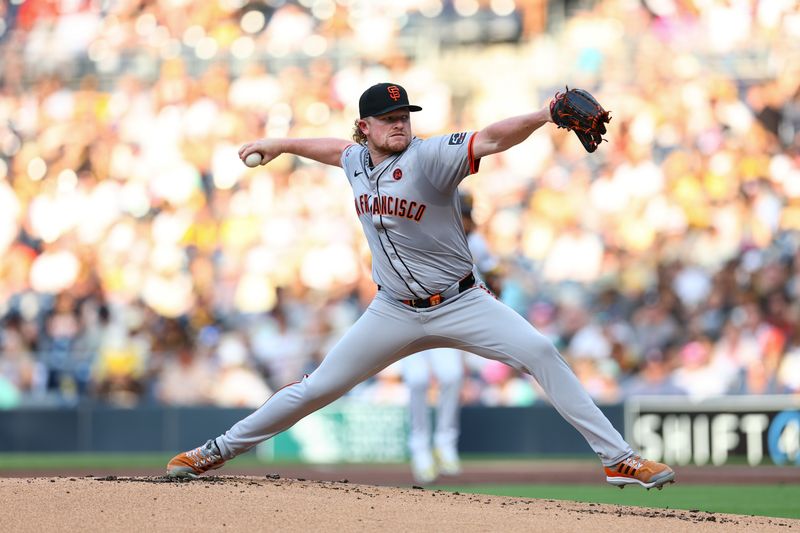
436	299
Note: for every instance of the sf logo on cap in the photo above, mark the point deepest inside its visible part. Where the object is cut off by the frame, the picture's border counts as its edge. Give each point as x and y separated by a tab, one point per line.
394	92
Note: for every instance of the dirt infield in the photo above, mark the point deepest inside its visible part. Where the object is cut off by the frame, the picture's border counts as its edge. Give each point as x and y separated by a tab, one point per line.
232	503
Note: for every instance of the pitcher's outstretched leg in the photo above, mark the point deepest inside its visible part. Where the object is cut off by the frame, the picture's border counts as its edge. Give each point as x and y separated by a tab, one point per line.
357	356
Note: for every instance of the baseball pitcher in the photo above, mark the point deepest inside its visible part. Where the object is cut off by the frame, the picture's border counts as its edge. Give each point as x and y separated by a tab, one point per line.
429	295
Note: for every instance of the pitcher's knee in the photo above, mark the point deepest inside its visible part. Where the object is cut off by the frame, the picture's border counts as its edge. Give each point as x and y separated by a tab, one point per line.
321	393
541	349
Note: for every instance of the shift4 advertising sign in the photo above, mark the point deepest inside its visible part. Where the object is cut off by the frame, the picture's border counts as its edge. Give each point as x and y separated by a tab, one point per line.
676	430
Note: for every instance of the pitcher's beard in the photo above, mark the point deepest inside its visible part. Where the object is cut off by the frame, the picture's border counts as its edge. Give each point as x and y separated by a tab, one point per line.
397	144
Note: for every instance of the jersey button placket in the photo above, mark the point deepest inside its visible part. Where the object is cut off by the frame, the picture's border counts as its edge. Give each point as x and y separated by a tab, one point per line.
398	265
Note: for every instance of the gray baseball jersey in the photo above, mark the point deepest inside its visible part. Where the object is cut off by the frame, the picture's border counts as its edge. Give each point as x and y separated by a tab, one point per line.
409	210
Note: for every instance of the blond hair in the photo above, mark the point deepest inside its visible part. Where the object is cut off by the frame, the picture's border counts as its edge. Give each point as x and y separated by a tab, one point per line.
358	135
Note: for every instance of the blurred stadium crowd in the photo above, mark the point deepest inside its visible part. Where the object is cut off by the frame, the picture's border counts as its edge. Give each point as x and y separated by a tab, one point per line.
140	261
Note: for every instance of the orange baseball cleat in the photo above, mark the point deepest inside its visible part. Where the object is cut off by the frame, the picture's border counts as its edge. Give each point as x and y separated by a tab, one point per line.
635	469
195	462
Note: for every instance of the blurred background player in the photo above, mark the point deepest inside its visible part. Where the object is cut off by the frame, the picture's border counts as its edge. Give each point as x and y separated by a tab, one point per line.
429	458
432	456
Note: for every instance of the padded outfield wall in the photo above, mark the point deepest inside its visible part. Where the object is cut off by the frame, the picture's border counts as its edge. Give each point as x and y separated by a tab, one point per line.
344	431
754	430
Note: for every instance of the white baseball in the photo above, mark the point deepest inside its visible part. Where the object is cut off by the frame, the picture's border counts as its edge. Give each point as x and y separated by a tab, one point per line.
253	160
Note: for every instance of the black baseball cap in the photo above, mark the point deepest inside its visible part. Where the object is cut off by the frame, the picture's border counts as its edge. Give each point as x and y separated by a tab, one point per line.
382	98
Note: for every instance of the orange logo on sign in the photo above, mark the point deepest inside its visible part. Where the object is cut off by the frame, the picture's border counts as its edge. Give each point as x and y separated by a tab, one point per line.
394	92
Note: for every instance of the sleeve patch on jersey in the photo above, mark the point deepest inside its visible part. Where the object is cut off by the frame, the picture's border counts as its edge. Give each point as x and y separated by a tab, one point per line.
457	138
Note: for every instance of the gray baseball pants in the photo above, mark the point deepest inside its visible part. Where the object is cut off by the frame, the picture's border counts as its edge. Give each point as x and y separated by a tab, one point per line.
389	330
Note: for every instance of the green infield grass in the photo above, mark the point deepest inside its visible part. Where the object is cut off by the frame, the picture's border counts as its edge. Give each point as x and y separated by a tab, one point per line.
765	500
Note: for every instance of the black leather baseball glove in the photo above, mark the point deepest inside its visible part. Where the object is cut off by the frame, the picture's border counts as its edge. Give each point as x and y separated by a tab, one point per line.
579	112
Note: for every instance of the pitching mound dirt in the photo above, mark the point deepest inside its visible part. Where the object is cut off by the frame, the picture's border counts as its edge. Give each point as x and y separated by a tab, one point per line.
263	504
